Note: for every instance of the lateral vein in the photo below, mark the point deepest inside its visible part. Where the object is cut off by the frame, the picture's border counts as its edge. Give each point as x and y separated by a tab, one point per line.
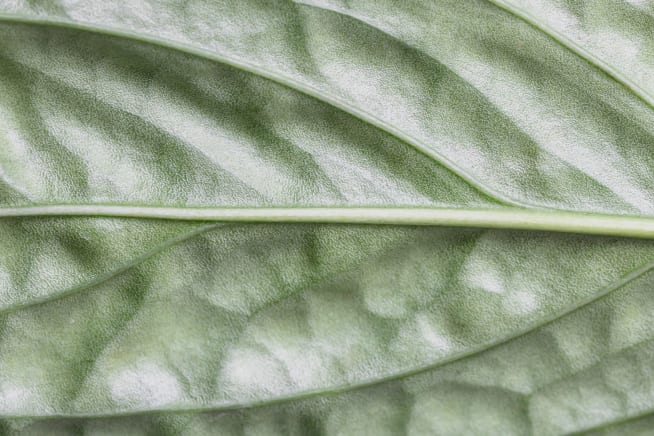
579	51
343	389
285	80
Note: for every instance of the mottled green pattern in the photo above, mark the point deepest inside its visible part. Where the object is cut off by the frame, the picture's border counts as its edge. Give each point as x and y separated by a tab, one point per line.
148	326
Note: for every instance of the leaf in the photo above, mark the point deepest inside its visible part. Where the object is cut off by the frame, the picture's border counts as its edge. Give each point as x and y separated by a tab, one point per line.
276	217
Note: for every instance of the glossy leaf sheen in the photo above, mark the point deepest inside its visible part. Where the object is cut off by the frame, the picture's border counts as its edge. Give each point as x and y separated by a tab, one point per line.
351	323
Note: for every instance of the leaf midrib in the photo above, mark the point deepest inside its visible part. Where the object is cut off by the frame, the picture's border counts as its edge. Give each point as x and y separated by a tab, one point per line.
496	218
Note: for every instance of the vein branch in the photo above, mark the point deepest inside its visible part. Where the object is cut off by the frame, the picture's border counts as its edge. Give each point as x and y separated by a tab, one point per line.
283	79
615	74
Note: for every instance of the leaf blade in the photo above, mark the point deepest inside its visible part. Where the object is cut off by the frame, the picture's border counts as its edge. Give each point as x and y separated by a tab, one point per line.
322	306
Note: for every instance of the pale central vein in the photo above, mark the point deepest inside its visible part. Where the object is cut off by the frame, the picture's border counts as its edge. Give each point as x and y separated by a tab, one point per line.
516	219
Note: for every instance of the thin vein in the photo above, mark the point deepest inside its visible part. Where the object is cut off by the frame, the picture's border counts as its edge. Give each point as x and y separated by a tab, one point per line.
481	92
570	45
597	365
337	390
615	423
85	369
197	231
594	365
175	139
11	187
287	81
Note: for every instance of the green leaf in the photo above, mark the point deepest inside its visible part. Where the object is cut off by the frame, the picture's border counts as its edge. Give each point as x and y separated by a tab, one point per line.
326	217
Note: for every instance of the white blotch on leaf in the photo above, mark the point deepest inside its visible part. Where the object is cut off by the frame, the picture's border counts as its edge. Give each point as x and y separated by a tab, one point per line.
252	373
431	334
14	399
145	384
421	338
484	275
521	303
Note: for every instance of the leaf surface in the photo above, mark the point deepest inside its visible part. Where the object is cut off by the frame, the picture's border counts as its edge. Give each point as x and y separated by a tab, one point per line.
276	217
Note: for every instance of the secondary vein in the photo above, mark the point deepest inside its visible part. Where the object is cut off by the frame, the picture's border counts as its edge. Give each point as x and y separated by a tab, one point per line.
284	80
116	271
338	390
579	51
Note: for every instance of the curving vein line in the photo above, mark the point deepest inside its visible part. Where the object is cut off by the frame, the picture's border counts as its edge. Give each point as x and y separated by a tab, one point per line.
615	423
570	45
572	375
498	108
575	373
12	188
336	390
178	140
197	231
287	81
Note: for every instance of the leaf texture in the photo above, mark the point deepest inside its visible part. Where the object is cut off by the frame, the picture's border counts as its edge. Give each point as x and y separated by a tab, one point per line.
134	324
